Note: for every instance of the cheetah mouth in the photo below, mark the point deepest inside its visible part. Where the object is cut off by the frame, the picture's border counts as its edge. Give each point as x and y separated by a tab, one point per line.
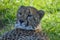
23	26
20	24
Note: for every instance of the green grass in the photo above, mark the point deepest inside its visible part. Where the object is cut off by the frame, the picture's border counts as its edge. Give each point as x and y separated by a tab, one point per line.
51	25
50	22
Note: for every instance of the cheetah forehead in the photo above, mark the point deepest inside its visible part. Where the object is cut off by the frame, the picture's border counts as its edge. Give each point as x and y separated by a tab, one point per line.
28	8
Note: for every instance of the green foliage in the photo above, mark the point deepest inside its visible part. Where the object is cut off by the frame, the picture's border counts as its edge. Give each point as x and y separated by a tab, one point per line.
50	22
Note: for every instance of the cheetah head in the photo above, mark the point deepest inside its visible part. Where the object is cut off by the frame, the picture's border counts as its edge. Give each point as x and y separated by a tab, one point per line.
28	17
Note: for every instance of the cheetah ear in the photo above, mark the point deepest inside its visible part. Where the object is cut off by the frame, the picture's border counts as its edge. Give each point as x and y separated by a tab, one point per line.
20	8
41	13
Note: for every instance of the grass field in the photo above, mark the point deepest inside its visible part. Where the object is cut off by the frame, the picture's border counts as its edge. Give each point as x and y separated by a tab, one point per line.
50	22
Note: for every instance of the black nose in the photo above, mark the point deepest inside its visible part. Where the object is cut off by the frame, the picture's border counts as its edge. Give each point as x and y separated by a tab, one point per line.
21	21
29	15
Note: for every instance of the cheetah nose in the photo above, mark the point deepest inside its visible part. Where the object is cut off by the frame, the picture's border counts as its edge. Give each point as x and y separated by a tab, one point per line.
21	21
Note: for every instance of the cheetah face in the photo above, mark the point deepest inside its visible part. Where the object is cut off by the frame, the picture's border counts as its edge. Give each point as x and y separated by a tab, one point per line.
29	16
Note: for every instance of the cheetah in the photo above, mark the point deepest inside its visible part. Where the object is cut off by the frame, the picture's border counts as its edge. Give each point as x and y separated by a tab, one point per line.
27	26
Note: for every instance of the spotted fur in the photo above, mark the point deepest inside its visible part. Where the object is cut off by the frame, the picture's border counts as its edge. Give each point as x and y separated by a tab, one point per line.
27	26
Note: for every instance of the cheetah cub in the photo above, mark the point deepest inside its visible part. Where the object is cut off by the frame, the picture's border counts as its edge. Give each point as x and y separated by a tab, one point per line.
27	26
